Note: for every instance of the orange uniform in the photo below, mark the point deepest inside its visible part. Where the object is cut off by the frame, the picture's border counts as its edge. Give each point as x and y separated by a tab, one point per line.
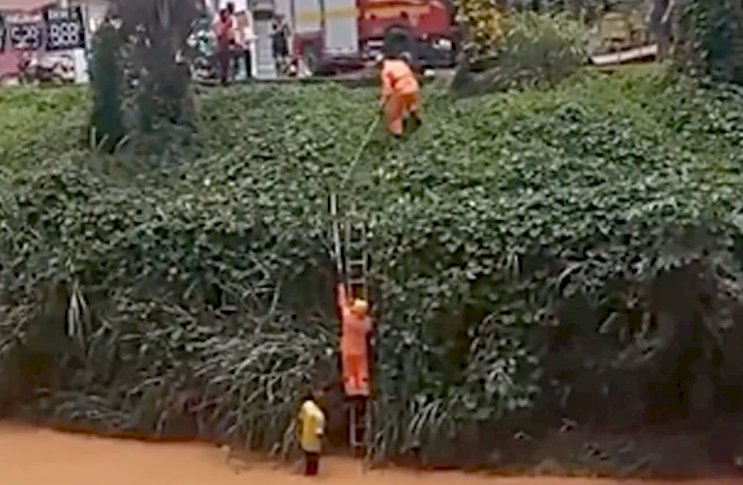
400	94
354	346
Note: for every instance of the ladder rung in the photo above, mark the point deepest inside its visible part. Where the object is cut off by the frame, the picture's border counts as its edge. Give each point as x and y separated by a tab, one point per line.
356	281
356	271
356	262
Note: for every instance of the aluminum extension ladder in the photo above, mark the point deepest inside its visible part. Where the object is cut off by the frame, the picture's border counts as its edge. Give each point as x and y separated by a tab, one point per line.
352	254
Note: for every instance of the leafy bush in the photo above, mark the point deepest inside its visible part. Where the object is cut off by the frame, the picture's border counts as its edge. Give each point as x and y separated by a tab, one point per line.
38	125
156	299
585	10
535	49
523	248
709	39
482	23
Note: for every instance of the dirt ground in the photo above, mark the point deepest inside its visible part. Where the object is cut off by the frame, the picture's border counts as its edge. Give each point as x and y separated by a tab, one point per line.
30	456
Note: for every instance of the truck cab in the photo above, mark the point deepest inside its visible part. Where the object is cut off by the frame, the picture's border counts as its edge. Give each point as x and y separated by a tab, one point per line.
336	35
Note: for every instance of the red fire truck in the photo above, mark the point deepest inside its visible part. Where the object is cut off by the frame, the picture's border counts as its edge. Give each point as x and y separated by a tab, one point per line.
335	35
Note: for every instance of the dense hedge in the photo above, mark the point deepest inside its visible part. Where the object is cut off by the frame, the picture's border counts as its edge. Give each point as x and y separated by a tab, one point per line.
532	49
38	124
708	39
524	250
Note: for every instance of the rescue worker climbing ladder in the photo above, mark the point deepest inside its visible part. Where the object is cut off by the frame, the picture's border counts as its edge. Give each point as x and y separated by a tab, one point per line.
356	324
400	99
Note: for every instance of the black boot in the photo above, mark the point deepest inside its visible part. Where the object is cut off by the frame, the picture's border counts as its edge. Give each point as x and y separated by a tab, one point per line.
416	121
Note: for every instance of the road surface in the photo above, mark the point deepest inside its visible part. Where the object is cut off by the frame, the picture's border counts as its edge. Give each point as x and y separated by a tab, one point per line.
30	456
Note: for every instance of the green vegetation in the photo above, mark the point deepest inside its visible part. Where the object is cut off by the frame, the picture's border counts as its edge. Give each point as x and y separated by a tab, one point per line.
482	26
542	253
709	39
531	49
39	125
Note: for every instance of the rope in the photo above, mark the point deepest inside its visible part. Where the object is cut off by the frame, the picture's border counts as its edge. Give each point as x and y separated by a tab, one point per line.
367	139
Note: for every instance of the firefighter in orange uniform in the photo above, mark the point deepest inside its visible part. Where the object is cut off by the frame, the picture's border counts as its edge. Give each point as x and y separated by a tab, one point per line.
356	326
400	93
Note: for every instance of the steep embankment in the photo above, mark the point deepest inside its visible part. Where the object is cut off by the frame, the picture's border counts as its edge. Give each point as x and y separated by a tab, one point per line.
557	251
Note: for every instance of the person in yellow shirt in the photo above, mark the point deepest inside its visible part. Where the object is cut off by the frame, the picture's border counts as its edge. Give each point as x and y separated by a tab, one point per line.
311	431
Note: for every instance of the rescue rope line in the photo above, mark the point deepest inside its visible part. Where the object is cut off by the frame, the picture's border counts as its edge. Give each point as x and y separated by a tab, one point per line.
365	142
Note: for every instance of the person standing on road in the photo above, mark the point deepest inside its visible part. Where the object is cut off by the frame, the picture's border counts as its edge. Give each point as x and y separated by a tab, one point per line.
225	40
280	44
400	98
242	27
311	431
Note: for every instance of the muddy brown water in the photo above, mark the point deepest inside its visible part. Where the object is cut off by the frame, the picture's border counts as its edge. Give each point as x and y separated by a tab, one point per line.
33	456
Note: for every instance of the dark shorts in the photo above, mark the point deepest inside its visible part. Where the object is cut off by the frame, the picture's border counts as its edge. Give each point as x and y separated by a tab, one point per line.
311	463
280	48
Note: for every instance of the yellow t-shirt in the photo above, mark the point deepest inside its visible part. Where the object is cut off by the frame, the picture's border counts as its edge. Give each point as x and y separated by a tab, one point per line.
312	421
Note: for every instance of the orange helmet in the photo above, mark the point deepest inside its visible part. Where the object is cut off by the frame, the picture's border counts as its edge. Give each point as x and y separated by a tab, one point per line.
360	307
